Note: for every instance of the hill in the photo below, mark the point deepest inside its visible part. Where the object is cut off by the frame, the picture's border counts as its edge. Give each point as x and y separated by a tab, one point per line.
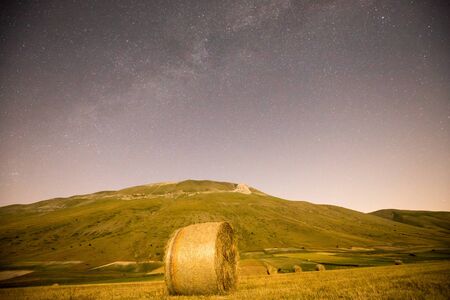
135	223
439	220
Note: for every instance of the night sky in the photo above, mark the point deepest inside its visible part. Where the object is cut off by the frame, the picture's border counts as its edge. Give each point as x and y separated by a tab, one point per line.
342	102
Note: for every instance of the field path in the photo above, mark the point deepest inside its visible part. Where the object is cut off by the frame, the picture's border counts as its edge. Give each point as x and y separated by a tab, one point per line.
4	275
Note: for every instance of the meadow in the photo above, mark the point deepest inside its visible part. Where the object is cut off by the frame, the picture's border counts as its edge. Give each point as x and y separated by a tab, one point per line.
413	281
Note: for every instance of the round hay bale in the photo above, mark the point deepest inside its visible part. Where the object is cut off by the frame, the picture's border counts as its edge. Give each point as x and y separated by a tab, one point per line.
320	267
398	262
201	259
297	269
270	269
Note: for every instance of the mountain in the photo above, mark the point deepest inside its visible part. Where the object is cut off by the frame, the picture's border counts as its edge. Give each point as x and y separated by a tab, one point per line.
135	223
439	220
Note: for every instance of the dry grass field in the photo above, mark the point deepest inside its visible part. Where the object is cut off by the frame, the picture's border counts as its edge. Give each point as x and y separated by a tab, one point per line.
413	281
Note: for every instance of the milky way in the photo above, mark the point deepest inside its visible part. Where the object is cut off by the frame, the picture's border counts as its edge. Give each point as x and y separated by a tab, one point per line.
340	102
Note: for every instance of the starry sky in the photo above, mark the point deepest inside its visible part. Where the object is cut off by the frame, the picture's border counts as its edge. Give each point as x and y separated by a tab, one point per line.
342	102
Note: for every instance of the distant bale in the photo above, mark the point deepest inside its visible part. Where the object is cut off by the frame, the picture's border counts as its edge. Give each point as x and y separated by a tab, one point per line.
201	259
320	267
297	269
271	270
398	262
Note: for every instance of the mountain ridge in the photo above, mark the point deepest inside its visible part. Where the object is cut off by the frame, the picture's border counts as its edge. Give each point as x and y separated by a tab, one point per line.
420	218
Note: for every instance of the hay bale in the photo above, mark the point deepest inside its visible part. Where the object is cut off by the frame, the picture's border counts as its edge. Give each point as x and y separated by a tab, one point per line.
201	259
297	269
270	269
398	262
320	267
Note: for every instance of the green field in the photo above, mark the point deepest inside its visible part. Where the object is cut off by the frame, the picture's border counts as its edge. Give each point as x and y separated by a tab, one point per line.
282	260
413	281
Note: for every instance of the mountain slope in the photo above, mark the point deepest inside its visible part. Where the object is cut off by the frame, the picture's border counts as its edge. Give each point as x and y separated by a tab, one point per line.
427	219
135	223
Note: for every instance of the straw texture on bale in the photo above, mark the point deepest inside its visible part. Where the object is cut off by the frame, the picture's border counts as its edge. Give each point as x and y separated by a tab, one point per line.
320	267
201	259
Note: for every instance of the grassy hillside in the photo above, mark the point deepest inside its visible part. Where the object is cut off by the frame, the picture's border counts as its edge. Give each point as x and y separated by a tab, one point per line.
437	220
135	223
